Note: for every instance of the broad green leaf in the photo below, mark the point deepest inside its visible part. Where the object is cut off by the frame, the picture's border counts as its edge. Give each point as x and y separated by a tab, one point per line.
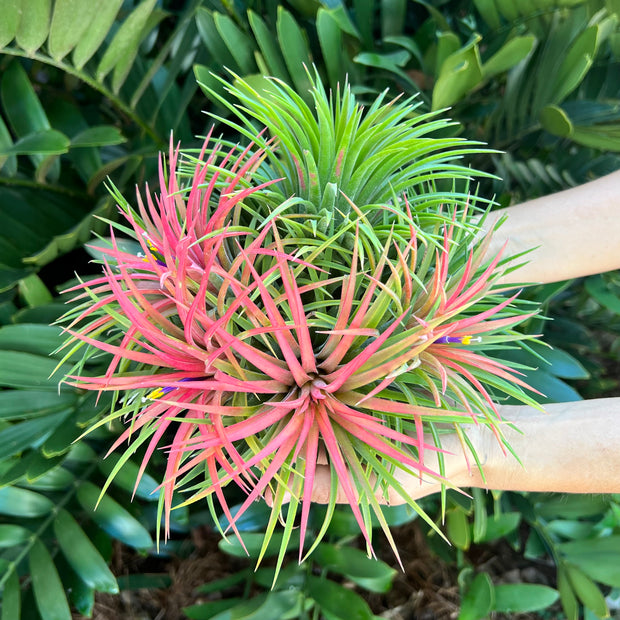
564	365
459	74
330	39
571	506
102	135
97	31
337	600
33	291
254	542
371	574
125	43
60	441
55	479
479	599
49	593
25	370
239	45
523	597
7	164
20	103
555	390
576	63
70	21
501	525
489	13
10	20
267	45
20	436
447	43
572	529
393	14
20	404
602	137
12	535
556	121
458	529
11	598
603	567
512	53
31	338
113	518
592	545
23	503
82	555
34	24
587	591
292	39
597	288
47	142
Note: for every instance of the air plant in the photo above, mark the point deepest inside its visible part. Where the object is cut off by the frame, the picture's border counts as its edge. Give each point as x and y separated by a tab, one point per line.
246	340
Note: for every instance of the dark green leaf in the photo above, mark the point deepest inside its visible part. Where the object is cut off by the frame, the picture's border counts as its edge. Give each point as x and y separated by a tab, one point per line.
338	601
82	555
254	542
55	479
597	287
523	597
11	598
21	404
205	611
297	54
571	506
267	44
49	593
113	518
23	503
371	574
576	63
238	43
126	478
587	591
20	436
501	525
330	39
11	535
25	370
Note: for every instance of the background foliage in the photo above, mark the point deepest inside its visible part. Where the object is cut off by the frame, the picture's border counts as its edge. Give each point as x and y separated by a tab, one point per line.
93	90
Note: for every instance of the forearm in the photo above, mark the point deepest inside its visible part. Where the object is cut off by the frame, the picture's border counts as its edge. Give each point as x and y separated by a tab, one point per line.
572	448
574	233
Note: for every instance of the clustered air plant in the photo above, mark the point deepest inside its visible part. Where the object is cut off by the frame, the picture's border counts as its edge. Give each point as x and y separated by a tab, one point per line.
322	293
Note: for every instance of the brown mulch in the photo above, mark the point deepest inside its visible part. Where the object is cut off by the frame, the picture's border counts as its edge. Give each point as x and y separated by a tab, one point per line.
426	590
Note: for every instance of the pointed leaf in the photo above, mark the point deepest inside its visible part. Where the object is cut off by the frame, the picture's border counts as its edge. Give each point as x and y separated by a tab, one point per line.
336	600
82	554
97	31
238	43
512	53
11	598
30	371
297	53
23	503
49	593
47	142
102	135
523	597
479	599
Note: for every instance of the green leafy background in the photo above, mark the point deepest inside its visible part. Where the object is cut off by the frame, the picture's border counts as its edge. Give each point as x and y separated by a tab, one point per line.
93	90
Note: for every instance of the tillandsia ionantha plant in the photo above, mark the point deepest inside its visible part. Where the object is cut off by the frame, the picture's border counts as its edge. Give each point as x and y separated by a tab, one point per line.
322	293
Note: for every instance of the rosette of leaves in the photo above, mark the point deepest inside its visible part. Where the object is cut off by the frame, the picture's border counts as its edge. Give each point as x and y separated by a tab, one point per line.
250	343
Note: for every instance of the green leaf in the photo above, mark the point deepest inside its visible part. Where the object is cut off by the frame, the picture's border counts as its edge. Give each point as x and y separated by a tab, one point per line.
556	121
512	53
21	404
205	611
21	105
479	599
12	535
458	529
587	591
34	292
70	21
488	12
34	24
576	63
10	21
25	370
113	518
238	43
330	39
603	567
82	555
459	74
337	600
101	135
49	593
501	525
567	595
523	597
11	598
18	437
47	142
126	478
268	48
293	40
254	543
124	46
97	31
572	506
597	288
23	503
371	574
564	365
55	479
